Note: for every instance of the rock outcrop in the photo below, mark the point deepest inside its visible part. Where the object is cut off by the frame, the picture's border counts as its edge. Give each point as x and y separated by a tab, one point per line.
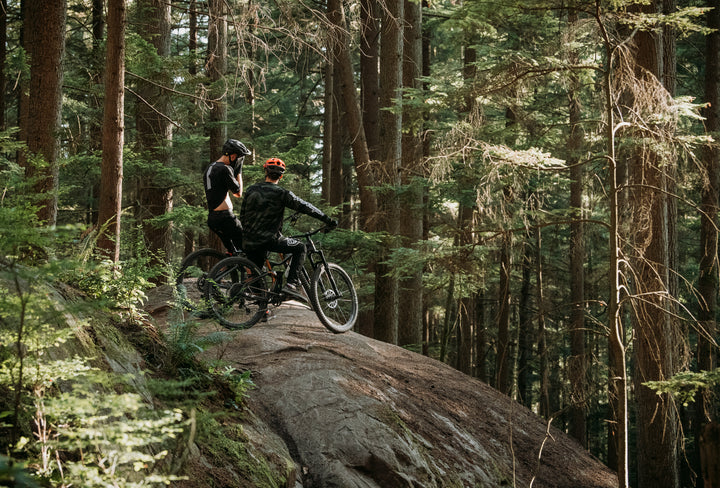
354	412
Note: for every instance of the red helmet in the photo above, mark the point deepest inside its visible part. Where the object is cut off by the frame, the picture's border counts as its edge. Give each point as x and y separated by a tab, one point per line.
274	165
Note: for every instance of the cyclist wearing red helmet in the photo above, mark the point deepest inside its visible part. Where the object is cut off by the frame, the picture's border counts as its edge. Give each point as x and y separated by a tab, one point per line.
262	213
223	177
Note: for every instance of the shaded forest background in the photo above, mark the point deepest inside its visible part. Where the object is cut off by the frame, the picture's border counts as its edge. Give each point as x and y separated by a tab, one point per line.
527	190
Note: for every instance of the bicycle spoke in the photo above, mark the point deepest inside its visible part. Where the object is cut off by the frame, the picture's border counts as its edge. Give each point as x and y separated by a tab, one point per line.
237	293
334	298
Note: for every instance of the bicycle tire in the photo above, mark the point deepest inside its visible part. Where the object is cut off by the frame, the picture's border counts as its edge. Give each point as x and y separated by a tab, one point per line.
337	312
191	279
237	292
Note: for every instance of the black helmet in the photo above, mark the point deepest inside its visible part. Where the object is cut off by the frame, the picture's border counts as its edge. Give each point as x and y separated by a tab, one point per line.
233	146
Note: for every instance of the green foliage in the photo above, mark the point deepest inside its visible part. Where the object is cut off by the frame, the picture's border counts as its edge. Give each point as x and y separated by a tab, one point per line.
119	434
239	382
686	385
15	475
184	343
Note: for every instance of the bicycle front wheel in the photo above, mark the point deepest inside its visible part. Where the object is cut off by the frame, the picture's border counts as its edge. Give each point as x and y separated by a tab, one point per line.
237	292
334	298
191	279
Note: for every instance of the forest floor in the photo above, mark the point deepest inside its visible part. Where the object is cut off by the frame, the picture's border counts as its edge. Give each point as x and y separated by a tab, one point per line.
293	342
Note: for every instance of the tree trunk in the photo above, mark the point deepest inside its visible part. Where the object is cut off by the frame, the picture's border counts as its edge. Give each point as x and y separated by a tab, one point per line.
708	268
329	119
352	116
192	37
709	448
654	335
366	180
410	308
386	286
543	350
44	43
216	68
466	315
3	61
113	133
502	361
154	130
369	82
577	364
525	339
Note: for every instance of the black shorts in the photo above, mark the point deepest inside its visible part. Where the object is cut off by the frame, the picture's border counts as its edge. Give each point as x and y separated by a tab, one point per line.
227	227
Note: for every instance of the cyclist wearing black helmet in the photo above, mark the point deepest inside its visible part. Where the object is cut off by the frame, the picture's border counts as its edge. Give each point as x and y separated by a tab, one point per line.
222	178
262	211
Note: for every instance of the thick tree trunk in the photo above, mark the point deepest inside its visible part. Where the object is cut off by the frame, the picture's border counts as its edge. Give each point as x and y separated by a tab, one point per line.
113	132
369	72
386	286
410	308
709	448
654	335
353	117
154	130
216	67
44	43
708	269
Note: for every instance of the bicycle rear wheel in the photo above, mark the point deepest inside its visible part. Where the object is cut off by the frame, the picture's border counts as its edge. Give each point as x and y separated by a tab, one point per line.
190	280
237	292
334	298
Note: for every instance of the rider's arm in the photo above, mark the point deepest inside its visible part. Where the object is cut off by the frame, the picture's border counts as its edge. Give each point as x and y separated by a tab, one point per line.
234	183
299	205
239	179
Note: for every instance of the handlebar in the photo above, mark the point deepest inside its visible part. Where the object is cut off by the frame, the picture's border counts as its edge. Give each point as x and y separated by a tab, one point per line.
294	218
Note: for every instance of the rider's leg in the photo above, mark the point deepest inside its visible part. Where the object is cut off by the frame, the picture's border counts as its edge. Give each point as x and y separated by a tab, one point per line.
228	228
257	256
288	245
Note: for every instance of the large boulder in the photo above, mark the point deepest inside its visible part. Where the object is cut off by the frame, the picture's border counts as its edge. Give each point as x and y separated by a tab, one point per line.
355	412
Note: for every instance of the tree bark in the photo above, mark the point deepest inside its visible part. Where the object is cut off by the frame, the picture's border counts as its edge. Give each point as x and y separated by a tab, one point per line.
657	423
44	43
410	308
391	53
113	133
709	447
3	60
708	268
154	130
369	70
502	361
216	68
525	339
353	117
577	364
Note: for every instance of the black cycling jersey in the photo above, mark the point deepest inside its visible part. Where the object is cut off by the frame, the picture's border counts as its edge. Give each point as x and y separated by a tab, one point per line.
262	213
219	180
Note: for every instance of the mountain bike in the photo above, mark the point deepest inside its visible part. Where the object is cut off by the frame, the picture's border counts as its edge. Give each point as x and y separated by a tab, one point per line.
190	280
239	293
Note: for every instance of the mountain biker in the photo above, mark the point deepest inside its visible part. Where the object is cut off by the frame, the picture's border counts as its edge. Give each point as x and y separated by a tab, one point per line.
222	178
262	211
